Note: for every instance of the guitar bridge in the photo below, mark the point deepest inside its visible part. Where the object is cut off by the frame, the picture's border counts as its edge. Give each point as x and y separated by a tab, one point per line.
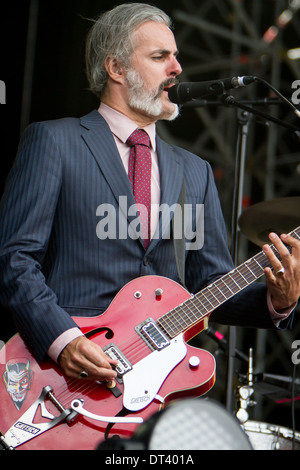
152	335
114	353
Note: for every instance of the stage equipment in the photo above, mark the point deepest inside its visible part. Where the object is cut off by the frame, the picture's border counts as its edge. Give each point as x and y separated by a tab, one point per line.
265	436
281	389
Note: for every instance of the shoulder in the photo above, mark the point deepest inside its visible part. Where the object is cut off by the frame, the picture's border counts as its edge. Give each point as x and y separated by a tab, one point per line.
54	127
68	124
69	130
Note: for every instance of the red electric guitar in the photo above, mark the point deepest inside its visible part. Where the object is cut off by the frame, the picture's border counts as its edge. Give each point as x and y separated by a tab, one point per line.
146	328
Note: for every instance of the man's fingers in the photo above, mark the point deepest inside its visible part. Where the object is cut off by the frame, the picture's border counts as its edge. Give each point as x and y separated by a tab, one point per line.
279	265
84	356
283	280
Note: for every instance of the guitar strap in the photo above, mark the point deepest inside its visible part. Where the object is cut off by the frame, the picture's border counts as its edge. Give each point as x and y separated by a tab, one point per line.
123	412
179	242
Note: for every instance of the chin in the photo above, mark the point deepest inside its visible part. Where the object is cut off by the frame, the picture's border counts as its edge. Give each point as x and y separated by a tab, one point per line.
171	114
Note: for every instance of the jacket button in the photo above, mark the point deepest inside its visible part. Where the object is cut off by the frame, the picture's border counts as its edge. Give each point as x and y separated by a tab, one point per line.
145	262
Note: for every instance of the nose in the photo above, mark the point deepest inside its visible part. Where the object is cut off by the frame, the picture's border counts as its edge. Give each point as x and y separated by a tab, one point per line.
175	67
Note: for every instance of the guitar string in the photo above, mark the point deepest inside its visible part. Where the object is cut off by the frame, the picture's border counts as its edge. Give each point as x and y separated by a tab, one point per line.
84	387
254	270
209	299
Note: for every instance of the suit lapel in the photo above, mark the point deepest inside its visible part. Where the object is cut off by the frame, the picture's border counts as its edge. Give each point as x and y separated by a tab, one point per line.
101	143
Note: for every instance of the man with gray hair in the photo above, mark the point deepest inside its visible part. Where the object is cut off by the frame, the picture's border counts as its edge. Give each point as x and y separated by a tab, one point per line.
110	48
53	266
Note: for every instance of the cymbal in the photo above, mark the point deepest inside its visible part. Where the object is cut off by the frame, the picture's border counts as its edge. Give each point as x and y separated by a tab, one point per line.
277	215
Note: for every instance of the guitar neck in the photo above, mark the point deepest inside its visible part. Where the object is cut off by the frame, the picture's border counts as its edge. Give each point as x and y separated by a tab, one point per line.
202	304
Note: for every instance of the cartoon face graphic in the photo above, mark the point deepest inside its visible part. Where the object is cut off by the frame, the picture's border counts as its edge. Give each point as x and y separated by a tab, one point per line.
18	378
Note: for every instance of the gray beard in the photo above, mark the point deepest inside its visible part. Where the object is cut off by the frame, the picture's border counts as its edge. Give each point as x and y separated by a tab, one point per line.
147	101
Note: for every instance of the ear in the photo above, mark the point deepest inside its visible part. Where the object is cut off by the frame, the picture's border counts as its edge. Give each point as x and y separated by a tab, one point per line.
114	69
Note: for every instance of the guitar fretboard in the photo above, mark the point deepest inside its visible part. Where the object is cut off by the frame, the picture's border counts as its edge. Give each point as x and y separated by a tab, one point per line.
200	305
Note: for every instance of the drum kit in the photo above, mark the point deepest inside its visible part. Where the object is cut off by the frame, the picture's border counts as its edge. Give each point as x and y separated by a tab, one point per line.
280	389
279	216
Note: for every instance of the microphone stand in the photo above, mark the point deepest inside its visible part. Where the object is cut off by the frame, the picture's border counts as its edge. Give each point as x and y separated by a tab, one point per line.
230	101
245	115
244	119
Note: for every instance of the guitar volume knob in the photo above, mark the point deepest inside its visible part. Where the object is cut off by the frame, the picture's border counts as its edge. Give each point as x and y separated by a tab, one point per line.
194	362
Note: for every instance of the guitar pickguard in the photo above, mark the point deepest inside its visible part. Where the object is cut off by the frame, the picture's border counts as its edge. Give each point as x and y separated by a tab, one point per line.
145	379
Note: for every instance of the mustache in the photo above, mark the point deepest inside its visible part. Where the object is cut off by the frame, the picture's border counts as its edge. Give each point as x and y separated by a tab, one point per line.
166	83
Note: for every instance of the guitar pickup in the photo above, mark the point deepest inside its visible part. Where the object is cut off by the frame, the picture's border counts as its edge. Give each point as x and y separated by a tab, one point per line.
152	335
115	354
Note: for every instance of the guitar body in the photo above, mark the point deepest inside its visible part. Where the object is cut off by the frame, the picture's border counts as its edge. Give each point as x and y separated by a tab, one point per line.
157	376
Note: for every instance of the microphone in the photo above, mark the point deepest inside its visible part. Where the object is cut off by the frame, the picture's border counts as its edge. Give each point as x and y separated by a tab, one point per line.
187	91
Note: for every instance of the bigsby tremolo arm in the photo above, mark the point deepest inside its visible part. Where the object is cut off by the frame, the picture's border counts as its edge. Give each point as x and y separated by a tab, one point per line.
77	405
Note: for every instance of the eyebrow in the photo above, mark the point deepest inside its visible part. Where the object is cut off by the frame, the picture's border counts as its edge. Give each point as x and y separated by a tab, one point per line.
165	52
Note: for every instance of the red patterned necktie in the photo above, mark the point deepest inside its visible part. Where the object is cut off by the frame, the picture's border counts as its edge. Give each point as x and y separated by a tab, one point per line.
139	172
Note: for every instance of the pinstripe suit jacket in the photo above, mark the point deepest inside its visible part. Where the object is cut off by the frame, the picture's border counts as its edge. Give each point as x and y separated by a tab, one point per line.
52	263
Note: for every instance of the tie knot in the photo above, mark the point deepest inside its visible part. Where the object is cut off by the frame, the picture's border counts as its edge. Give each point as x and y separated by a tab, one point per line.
139	137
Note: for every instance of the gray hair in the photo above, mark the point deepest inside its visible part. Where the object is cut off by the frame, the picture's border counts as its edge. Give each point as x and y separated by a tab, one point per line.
111	35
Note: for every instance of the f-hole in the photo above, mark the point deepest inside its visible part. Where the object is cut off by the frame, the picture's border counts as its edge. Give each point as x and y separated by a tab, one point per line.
109	333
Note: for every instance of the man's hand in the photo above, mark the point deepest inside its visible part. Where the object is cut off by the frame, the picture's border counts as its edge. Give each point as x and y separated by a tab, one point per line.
84	355
284	281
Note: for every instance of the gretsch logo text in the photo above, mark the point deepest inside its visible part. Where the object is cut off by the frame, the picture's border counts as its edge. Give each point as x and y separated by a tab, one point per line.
26	427
140	399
